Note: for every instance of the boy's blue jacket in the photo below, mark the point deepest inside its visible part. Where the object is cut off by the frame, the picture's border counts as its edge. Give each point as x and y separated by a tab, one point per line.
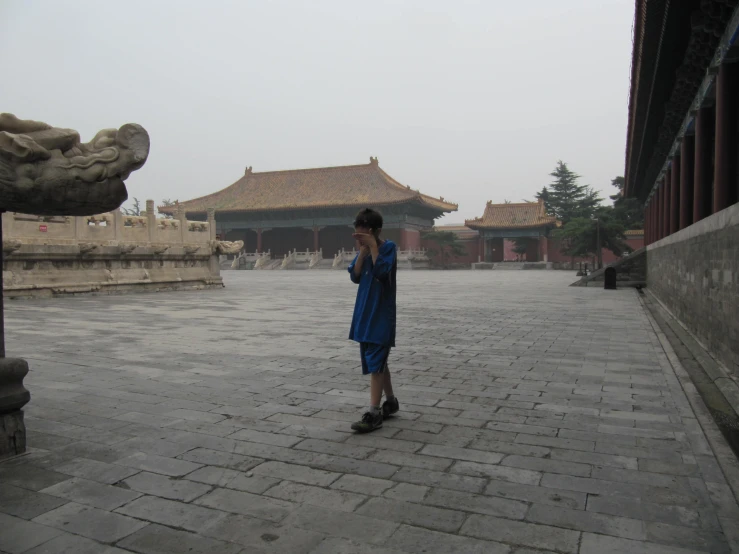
374	311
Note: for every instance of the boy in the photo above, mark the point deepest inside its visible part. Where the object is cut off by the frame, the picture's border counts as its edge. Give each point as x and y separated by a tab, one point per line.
373	324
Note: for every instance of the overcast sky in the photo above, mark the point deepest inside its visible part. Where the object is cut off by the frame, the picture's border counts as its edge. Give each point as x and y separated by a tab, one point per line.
470	100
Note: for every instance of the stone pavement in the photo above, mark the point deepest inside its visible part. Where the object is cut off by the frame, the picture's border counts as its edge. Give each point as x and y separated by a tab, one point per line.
535	418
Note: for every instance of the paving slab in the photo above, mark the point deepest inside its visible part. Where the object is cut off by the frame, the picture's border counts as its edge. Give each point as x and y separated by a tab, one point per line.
157	539
262	537
92	493
245	503
74	544
523	428
26	504
167	487
90	522
19	535
423	541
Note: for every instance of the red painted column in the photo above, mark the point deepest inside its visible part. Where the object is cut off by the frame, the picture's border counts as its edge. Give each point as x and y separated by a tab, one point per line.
480	248
315	238
687	158
655	216
648	223
403	240
702	170
259	240
675	196
660	215
726	137
666	204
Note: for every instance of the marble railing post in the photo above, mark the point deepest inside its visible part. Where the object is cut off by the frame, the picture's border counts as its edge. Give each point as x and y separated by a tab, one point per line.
118	224
8	223
182	218
212	223
151	221
80	222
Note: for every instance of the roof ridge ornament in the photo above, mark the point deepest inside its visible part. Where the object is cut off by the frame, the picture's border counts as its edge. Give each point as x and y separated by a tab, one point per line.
374	161
247	171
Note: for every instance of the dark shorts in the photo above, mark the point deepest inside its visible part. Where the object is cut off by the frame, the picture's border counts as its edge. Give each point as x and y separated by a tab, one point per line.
374	357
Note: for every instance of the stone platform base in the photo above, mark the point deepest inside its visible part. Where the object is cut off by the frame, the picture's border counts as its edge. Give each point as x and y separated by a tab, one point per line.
512	265
37	270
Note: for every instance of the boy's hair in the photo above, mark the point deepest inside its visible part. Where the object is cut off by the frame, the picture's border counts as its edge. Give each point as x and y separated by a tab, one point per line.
369	218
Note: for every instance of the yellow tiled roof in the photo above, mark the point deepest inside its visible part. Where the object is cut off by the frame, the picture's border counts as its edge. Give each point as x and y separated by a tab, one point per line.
462	231
512	216
634	232
327	187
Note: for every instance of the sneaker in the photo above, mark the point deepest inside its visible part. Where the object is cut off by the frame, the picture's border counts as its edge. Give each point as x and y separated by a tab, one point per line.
368	423
390	407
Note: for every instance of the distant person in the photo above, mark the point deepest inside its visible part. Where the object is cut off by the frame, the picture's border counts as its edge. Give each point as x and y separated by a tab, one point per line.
373	324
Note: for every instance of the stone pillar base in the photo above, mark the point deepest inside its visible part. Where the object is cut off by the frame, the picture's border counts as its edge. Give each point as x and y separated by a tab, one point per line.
12	434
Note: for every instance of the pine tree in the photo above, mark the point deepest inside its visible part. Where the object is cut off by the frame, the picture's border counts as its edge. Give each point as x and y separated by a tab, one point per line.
543	194
136	210
167	202
581	234
568	199
629	211
448	246
521	246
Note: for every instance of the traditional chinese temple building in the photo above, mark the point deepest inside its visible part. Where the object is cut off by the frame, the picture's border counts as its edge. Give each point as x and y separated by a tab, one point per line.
682	162
313	209
527	222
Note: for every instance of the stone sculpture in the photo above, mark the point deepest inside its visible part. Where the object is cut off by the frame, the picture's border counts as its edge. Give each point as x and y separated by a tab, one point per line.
225	247
47	170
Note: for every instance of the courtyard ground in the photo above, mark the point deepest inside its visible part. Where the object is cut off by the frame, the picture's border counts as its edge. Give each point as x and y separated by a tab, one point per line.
535	417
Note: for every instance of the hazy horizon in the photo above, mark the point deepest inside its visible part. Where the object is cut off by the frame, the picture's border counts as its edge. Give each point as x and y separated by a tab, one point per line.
472	101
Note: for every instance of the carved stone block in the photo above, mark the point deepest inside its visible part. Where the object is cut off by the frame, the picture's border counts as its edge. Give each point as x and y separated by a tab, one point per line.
13	396
12	434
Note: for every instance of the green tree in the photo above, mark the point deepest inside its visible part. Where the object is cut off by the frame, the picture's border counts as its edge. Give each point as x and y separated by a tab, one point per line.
581	235
543	194
135	210
168	203
520	246
566	198
447	245
627	210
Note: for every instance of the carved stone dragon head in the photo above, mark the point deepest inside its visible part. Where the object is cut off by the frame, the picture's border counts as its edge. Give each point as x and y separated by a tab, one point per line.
46	170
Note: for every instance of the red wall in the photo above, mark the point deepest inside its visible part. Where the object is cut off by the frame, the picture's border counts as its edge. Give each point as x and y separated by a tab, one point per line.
549	245
555	255
471	247
410	239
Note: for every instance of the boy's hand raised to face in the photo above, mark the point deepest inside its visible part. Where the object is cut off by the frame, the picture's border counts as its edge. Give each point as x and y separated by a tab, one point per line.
366	240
